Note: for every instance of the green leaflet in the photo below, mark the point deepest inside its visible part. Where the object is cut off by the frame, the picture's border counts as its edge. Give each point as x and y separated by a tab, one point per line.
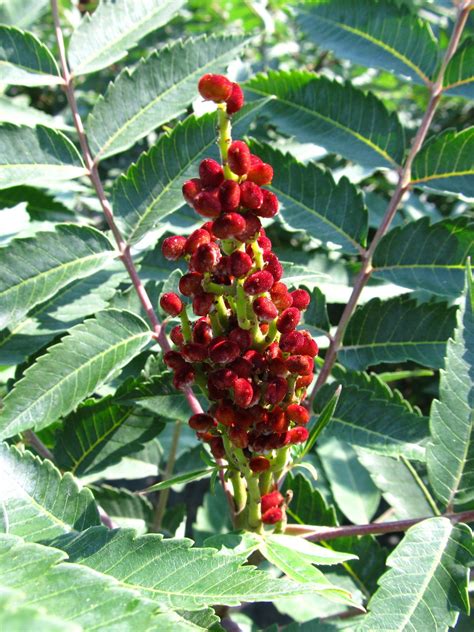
426	257
24	60
151	188
446	163
34	269
37	502
425	587
451	450
159	89
372	33
397	330
312	201
33	156
459	75
308	505
21	13
69	372
341	118
113	28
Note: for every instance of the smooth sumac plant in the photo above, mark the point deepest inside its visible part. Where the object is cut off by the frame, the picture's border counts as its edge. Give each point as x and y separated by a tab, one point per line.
236	315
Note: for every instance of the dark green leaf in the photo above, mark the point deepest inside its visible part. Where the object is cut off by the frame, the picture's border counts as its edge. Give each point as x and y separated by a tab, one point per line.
380	34
70	372
308	505
316	316
33	156
24	60
151	189
37	502
426	257
122	505
341	118
314	203
446	163
114	28
159	89
397	330
451	451
459	75
34	269
426	586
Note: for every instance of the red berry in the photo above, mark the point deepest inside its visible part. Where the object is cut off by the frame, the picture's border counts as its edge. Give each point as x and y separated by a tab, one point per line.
298	414
243	392
194	352
269	206
176	335
258	282
251	195
280	296
215	87
223	379
239	437
301	299
273	265
260	172
202	303
173	247
264	242
303	381
211	173
229	195
183	377
252	227
224	352
309	346
174	360
236	99
207	204
190	283
291	342
278	421
190	189
171	304
272	499
202	331
272	516
259	464
238	157
298	434
277	366
276	390
240	263
196	239
228	225
256	359
225	413
205	258
264	309
241	367
201	422
300	364
217	448
288	320
241	337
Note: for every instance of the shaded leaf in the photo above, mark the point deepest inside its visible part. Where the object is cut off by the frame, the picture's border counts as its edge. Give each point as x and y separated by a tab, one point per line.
34	269
159	89
459	75
72	370
179	479
397	330
370	415
426	585
99	433
308	505
451	451
381	34
151	188
314	203
114	28
189	577
353	489
24	60
21	13
38	503
341	118
446	163
426	257
33	155
122	505
316	316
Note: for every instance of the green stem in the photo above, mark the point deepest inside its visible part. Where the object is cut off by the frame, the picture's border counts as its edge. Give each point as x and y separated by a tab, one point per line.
225	139
258	255
241	306
272	332
215	324
221	311
216	288
240	498
185	325
266	482
255	514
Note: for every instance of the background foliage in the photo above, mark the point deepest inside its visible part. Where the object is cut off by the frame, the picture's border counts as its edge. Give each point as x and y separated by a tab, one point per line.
335	90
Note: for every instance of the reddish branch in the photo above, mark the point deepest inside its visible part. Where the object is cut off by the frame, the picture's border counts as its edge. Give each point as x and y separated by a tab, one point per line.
404	178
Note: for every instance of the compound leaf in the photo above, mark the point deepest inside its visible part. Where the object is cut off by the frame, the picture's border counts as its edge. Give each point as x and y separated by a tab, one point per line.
459	75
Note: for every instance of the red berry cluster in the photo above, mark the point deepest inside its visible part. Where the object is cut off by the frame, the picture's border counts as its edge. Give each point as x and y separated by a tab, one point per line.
243	349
